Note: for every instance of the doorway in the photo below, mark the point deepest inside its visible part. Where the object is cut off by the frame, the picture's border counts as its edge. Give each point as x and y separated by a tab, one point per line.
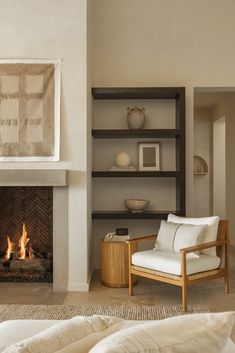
219	167
214	121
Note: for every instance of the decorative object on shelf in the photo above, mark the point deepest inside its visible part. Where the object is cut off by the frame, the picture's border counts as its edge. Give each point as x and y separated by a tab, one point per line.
123	162
200	166
136	205
135	117
30	110
149	156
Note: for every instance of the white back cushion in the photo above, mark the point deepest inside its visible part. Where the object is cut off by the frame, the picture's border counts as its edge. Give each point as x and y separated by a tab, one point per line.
210	233
175	236
195	333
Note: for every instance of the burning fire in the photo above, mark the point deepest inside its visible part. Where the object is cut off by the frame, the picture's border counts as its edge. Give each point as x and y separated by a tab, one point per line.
22	245
10	248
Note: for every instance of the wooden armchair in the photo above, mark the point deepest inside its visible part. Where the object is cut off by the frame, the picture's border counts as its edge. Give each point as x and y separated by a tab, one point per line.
185	280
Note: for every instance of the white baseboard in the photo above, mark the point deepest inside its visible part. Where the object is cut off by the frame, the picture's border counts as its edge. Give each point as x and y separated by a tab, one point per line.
80	287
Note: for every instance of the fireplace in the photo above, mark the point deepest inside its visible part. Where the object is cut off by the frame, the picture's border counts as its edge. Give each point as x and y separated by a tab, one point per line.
26	234
56	180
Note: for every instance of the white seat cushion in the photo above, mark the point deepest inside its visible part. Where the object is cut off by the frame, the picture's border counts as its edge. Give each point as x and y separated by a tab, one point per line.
169	262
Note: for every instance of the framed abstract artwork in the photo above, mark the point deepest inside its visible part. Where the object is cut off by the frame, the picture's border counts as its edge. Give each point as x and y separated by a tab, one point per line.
29	110
149	156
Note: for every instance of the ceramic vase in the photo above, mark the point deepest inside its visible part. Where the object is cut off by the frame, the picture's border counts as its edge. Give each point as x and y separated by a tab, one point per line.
135	117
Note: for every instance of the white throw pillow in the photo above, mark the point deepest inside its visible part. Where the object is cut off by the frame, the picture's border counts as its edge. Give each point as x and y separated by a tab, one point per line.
173	236
211	231
77	334
195	333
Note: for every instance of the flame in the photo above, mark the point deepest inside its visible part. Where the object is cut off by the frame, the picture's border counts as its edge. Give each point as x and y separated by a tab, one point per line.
31	253
23	243
10	248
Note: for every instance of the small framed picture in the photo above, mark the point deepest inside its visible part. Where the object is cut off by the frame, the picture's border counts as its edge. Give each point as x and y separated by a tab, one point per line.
149	156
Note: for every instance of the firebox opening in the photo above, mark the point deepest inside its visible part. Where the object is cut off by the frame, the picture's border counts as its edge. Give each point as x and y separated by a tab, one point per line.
26	234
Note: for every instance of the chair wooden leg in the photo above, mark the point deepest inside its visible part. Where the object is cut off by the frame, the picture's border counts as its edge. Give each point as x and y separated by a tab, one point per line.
226	283
226	277
130	284
184	281
184	298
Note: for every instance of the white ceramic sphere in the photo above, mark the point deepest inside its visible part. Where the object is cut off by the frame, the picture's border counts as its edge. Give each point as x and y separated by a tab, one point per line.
123	159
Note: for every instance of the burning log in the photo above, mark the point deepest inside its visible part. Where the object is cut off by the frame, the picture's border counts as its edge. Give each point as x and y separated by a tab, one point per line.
25	263
28	265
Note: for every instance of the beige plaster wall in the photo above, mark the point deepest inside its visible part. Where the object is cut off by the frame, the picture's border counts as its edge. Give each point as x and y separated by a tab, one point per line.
89	140
50	30
166	43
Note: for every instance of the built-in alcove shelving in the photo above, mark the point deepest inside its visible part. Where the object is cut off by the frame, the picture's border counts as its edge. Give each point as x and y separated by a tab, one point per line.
114	137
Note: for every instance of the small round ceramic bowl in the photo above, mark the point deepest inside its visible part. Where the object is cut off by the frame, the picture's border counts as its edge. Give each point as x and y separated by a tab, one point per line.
136	205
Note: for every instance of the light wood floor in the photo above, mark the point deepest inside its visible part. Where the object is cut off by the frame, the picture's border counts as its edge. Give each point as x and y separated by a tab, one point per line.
146	292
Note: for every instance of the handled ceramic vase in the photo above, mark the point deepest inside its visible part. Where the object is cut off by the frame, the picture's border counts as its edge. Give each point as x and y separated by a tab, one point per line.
135	117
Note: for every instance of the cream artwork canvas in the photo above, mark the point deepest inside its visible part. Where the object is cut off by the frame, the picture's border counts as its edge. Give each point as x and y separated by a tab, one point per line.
29	110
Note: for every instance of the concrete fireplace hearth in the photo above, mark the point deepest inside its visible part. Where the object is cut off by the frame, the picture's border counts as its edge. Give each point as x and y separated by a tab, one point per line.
58	179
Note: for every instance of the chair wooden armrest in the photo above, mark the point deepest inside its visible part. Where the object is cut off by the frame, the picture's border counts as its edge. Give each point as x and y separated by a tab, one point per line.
204	246
185	251
143	238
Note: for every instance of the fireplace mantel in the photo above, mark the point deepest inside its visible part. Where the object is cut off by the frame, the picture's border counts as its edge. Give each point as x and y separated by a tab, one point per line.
33	177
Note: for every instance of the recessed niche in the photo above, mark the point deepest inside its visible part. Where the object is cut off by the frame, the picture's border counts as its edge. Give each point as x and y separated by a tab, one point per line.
200	166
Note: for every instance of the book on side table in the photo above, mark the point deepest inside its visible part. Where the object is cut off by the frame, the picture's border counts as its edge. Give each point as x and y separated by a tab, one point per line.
111	237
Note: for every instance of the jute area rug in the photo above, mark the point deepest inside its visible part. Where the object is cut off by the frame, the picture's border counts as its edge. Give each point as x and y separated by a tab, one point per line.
62	312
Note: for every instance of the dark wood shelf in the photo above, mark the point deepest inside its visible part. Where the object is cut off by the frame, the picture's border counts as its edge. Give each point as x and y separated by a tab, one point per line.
178	134
140	133
130	215
135	174
137	92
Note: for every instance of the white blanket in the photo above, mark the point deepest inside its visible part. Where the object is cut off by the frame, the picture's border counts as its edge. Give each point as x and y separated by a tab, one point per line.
64	334
18	330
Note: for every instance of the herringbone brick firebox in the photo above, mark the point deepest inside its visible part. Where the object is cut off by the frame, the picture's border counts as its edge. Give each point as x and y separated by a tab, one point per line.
27	210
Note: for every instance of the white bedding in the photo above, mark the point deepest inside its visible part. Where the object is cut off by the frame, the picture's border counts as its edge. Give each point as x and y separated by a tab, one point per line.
14	331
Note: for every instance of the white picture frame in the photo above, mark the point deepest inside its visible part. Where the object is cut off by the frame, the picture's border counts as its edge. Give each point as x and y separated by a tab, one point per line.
149	156
30	121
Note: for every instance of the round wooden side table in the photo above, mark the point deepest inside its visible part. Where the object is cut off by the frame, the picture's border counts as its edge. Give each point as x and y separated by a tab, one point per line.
114	264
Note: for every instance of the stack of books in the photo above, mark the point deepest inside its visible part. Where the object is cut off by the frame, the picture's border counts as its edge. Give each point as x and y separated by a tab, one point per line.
117	238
